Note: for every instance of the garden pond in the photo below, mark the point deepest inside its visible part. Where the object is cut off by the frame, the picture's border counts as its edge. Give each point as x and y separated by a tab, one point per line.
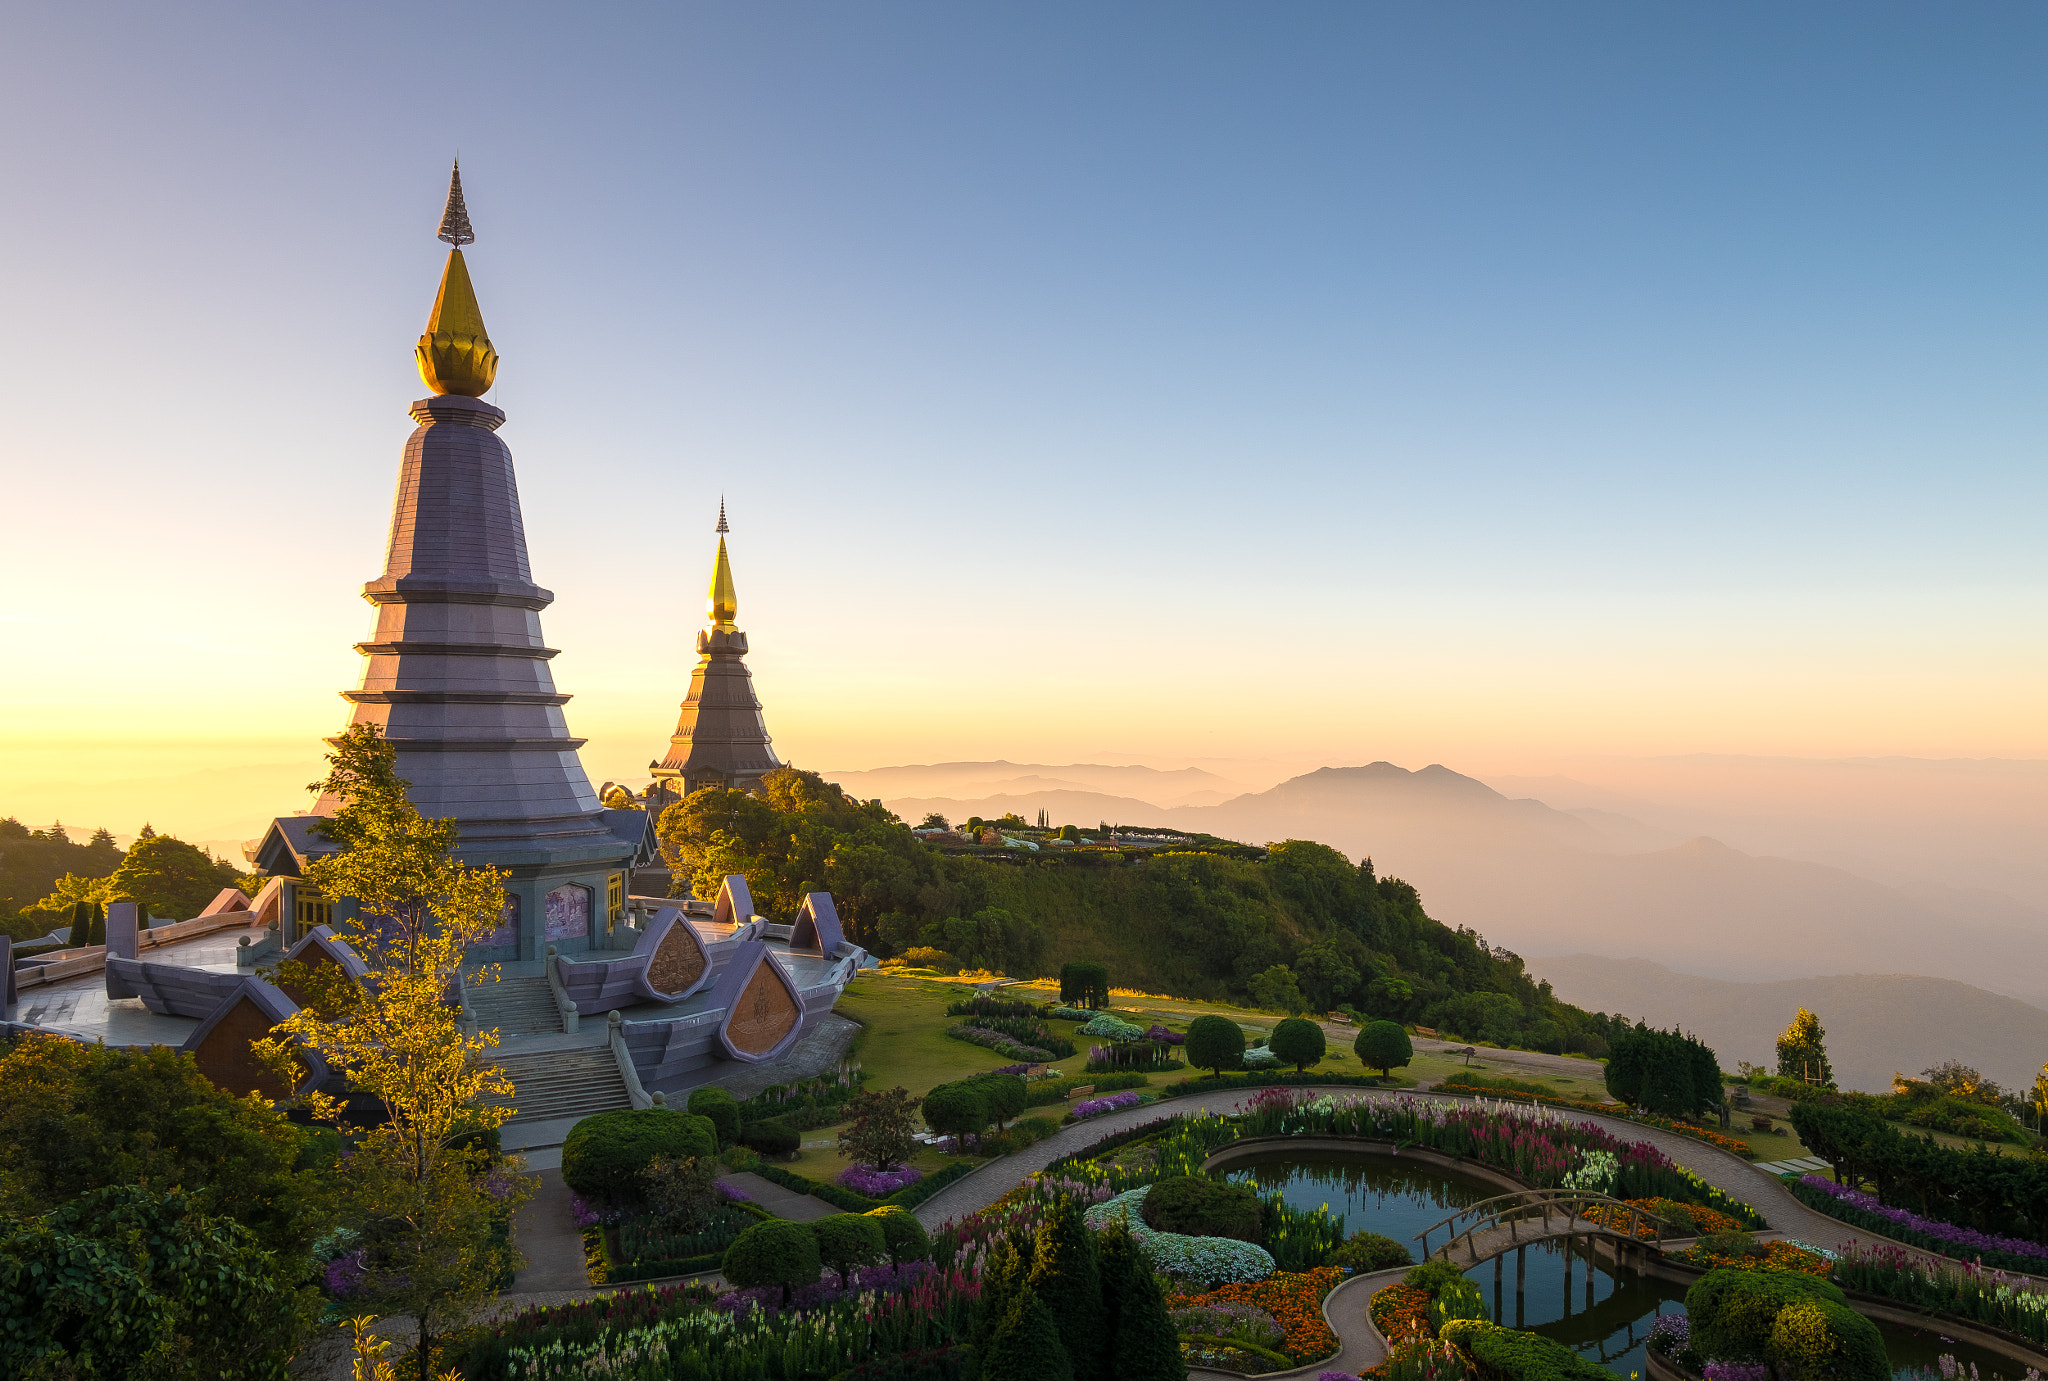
1606	1321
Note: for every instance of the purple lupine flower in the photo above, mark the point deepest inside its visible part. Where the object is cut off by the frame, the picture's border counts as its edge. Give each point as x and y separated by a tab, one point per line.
1968	1238
345	1274
732	1193
1096	1106
1737	1371
864	1179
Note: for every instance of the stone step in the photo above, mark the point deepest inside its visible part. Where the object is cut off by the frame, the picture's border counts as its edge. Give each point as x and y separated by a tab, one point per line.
551	1084
516	1007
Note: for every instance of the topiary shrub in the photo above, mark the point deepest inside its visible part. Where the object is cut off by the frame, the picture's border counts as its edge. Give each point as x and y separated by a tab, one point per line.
1384	1046
1818	1338
1201	1207
1513	1355
1003	1093
772	1137
1733	1311
847	1242
903	1237
1215	1043
1365	1252
1297	1042
1084	983
773	1253
722	1108
603	1154
957	1109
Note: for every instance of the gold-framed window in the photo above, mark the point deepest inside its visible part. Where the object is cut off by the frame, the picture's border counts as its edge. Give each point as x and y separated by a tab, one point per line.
615	898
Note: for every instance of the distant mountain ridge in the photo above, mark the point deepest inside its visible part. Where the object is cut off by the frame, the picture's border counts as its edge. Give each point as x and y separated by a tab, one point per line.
1877	1024
1546	882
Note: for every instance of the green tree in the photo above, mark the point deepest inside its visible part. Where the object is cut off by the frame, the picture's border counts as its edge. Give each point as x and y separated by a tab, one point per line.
428	1198
1325	972
1066	1278
1084	983
170	877
1026	1345
956	1110
935	821
1384	1046
1276	991
847	1242
1297	1042
1215	1043
136	1282
1143	1345
774	1253
1803	1052
76	1118
882	1133
1003	1093
902	1234
1665	1072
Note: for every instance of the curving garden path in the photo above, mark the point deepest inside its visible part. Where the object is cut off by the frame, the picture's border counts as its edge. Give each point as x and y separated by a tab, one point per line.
1347	1307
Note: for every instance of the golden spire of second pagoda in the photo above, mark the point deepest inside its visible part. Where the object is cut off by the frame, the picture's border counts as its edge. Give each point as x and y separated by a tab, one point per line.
725	600
455	354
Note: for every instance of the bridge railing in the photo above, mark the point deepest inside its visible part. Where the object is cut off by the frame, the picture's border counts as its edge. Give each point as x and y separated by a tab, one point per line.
1512	1210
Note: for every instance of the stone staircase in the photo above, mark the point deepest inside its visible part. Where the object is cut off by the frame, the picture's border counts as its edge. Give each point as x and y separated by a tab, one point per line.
516	1007
563	1083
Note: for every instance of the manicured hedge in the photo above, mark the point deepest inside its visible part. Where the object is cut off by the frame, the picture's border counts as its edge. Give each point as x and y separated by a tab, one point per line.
842	1198
603	1154
1514	1355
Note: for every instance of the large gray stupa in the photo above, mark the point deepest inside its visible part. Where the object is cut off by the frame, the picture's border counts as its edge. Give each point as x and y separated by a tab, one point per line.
720	738
457	677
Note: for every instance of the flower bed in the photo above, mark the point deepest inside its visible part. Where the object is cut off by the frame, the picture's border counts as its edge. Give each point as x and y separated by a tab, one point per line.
1210	1260
1294	1299
1095	1107
1683	1128
1778	1256
741	1340
1401	1311
1858	1209
878	1184
1970	1293
1676	1218
998	1042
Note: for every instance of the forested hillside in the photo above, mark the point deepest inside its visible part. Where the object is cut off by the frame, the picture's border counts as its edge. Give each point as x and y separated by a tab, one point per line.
1303	927
42	873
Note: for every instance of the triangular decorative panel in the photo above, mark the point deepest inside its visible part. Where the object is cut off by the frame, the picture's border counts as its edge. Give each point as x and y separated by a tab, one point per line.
677	963
735	903
764	1013
817	926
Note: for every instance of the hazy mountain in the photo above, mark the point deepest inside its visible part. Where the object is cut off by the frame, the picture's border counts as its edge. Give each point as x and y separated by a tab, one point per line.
1545	881
972	783
1877	1024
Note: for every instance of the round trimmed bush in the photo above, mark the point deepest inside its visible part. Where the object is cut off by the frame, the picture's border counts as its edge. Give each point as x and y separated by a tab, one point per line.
604	1153
849	1241
771	1137
1214	1043
903	1237
1365	1252
957	1109
1733	1311
1297	1042
773	1253
1817	1337
1004	1094
721	1107
1201	1207
1384	1046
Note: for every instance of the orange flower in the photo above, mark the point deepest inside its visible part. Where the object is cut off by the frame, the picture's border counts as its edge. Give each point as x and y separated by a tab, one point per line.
1293	1298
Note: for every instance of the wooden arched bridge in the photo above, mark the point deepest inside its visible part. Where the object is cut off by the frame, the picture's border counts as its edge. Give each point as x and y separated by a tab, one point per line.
1505	1222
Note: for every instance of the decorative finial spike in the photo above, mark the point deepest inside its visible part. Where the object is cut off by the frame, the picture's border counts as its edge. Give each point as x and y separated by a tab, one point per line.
721	515
455	219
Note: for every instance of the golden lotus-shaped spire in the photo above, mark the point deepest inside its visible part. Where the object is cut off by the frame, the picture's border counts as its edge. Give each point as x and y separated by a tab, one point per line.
725	600
455	354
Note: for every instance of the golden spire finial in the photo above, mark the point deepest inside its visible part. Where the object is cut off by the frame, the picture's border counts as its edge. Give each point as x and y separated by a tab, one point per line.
455	354
725	600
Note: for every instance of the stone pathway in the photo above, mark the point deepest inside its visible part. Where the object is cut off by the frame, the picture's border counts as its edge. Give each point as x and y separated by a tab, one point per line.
544	1230
783	1203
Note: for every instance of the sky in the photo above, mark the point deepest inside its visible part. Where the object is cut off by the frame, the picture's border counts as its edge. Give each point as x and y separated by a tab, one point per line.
1254	386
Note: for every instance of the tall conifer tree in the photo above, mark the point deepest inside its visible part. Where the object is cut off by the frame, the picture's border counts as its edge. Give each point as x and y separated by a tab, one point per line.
1143	1346
1066	1278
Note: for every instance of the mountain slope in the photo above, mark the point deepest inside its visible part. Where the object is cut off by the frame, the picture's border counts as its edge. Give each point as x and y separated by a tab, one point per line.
973	782
1876	1023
